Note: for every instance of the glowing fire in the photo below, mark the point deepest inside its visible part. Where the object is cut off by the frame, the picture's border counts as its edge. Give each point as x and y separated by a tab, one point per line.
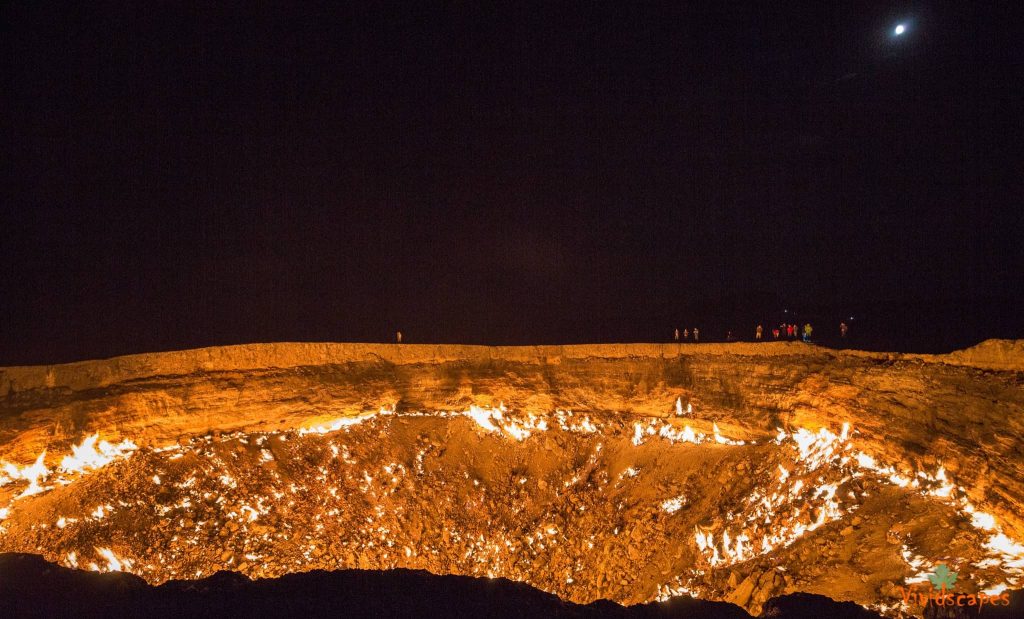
721	440
86	456
494	420
769	520
114	563
674	504
343	422
33	474
800	501
808	489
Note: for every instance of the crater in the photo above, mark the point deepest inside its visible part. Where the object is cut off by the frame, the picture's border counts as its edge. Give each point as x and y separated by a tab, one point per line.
630	473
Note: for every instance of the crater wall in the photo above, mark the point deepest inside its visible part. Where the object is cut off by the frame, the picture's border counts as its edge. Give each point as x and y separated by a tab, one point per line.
964	410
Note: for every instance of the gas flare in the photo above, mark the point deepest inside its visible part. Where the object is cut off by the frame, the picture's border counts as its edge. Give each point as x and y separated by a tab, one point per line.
809	479
86	456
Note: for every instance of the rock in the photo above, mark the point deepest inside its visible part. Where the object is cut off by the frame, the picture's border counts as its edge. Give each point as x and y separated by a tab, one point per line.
848	531
740	596
767	586
810	605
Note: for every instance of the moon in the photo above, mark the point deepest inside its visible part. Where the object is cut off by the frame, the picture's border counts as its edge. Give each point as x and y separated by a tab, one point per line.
900	29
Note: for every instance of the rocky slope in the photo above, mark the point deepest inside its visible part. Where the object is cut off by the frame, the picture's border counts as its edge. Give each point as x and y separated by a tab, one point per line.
929	436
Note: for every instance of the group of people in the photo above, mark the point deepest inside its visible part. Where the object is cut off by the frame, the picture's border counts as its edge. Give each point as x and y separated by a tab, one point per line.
686	334
788	331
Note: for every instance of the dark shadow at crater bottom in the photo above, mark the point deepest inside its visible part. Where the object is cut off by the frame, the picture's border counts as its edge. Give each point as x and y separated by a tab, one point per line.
33	587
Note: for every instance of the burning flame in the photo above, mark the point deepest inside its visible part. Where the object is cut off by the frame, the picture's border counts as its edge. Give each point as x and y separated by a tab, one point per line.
86	456
801	498
721	440
33	474
566	422
674	504
815	450
493	420
114	563
344	422
770	520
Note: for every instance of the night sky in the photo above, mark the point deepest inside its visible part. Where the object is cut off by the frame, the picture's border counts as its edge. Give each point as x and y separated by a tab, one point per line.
553	173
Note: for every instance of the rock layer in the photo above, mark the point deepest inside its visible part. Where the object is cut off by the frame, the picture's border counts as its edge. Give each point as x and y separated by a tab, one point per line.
964	410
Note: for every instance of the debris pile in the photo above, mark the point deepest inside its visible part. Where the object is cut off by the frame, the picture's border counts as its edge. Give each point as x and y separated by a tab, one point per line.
584	506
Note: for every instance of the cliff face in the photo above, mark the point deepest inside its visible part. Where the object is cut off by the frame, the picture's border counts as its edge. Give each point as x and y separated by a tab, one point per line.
654	487
964	410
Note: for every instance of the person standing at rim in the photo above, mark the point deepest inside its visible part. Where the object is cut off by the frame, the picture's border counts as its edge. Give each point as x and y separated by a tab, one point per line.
398	337
696	334
758	332
808	329
686	334
843	329
677	334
